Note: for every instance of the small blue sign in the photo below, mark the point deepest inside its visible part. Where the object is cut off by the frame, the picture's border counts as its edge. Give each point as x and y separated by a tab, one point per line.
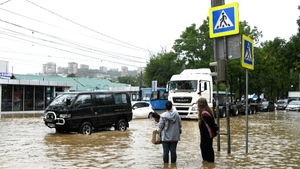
6	75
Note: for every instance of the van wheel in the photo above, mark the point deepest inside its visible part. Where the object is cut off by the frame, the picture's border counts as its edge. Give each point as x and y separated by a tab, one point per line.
121	125
86	128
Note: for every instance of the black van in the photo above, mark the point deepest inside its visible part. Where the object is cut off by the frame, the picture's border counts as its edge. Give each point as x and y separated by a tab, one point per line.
84	111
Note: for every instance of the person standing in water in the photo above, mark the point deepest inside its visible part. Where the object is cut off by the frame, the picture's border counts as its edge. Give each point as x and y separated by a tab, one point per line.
170	127
206	120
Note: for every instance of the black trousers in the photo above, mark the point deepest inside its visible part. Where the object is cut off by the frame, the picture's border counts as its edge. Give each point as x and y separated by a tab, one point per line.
206	146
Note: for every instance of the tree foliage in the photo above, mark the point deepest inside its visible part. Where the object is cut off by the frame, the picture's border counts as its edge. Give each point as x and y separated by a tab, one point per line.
161	67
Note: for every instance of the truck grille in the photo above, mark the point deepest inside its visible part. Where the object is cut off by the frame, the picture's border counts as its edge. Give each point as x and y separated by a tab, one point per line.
182	99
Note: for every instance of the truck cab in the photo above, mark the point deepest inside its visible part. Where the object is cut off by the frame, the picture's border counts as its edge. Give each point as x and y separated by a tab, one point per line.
187	87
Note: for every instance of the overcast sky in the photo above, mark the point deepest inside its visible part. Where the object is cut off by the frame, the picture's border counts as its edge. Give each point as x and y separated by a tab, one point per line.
115	33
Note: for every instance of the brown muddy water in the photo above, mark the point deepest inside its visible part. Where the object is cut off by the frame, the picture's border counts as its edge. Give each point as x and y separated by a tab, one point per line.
273	143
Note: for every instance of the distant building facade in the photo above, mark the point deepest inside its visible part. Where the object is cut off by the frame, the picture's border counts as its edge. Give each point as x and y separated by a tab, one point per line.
102	69
140	70
49	68
124	71
82	66
4	66
72	68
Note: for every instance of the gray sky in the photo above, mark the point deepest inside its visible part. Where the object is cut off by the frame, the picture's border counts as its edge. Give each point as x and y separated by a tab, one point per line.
116	32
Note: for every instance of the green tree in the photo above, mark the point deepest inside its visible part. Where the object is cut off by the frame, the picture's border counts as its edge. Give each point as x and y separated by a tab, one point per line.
161	68
195	47
71	75
132	80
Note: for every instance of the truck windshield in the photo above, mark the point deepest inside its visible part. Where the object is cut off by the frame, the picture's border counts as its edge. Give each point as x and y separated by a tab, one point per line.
62	99
183	86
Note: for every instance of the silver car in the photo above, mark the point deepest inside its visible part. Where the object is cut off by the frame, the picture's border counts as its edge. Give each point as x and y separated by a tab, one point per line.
293	106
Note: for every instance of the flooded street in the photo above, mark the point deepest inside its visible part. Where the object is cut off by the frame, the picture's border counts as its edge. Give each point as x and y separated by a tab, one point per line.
274	139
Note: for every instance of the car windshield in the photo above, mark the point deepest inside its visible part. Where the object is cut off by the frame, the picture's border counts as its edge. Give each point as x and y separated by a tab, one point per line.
62	99
281	101
294	103
184	85
265	103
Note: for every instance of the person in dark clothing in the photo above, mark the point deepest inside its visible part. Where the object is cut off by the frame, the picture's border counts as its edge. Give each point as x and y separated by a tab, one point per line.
206	121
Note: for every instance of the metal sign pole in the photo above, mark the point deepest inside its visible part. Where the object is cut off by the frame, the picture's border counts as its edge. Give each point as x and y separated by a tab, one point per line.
246	97
227	100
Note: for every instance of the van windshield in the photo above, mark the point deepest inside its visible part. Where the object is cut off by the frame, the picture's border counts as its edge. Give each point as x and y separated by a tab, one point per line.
184	85
62	99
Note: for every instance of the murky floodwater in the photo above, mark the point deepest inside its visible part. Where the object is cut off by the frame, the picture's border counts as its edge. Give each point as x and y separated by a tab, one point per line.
274	139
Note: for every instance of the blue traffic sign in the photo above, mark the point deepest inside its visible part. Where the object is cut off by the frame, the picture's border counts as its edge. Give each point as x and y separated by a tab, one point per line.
223	20
247	53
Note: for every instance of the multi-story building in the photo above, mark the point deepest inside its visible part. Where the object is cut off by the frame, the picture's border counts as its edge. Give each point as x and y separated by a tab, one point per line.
82	66
4	66
124	71
140	70
72	68
103	69
49	68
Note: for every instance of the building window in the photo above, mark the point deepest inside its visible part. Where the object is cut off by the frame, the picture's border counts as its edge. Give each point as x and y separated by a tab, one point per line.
28	102
49	95
18	98
39	98
6	104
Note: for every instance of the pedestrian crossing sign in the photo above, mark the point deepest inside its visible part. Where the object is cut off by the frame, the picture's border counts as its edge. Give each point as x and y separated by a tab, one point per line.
224	20
247	53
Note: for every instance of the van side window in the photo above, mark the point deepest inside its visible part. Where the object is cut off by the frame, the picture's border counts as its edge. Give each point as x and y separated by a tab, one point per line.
83	101
104	99
120	98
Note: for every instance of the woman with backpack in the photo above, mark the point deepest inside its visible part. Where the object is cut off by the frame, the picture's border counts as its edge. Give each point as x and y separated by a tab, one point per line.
206	123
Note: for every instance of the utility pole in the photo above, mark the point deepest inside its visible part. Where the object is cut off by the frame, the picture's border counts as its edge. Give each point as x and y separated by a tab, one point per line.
215	3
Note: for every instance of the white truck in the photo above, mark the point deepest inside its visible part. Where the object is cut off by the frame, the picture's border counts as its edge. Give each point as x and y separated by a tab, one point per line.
187	87
294	94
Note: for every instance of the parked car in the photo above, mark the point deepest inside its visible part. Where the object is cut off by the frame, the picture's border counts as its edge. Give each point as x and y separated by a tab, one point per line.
85	111
293	106
141	109
266	106
282	104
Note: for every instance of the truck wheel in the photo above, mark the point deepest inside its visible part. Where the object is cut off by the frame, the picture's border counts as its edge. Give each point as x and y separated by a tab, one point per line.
223	113
235	111
253	110
86	128
121	125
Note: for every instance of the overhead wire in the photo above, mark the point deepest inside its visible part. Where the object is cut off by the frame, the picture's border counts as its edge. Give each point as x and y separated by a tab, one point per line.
85	26
70	42
57	43
72	31
76	46
76	53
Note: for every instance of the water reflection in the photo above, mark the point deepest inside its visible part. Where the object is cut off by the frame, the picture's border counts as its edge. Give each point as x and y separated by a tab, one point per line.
273	143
